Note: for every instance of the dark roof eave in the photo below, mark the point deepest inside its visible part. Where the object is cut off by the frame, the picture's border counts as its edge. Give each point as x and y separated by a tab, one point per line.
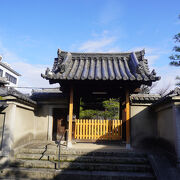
53	81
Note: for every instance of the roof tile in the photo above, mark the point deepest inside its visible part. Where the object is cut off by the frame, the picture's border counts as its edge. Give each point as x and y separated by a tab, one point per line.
101	66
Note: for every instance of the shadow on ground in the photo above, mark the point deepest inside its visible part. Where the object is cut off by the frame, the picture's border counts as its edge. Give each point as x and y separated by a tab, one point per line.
108	158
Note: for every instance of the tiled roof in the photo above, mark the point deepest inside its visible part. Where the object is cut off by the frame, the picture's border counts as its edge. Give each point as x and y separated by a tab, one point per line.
12	92
145	98
173	95
100	66
47	94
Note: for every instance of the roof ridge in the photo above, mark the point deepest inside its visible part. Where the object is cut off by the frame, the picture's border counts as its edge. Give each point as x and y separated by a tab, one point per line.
101	53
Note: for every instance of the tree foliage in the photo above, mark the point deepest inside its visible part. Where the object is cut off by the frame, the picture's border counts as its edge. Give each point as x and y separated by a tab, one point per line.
110	110
175	58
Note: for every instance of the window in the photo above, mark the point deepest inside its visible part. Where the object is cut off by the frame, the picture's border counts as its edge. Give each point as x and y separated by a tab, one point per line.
1	72
11	78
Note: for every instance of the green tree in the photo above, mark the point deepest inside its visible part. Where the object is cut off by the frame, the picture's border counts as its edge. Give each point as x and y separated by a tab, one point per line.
110	110
175	58
111	107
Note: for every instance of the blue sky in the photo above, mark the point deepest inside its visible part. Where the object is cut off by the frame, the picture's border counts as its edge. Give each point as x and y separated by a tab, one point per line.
31	31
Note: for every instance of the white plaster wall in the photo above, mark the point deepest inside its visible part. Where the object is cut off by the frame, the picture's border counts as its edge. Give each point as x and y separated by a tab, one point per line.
41	125
8	137
44	121
19	126
23	126
23	123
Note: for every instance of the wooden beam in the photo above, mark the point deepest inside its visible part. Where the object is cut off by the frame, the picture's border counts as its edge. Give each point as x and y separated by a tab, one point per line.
70	115
127	118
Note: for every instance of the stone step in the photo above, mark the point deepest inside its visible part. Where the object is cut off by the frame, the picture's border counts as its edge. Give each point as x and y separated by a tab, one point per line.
95	159
54	151
83	166
39	173
37	151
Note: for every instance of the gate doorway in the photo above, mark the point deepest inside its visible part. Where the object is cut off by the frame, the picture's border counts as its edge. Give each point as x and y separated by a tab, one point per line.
59	123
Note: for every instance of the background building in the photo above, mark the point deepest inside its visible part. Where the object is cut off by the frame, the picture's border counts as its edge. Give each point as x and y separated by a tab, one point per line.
7	72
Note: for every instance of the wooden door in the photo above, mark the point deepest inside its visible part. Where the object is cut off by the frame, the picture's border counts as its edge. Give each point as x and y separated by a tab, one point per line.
59	123
98	130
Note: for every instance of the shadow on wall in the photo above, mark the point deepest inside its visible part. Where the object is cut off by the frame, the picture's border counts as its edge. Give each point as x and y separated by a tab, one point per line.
156	144
6	141
143	126
6	162
144	132
23	140
42	111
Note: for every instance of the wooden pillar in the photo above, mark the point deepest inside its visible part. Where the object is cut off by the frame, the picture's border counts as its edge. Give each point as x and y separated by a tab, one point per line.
127	120
120	109
70	117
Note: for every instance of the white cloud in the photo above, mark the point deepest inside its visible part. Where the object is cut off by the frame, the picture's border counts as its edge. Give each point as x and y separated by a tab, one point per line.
104	41
97	45
31	73
152	59
152	54
168	74
114	49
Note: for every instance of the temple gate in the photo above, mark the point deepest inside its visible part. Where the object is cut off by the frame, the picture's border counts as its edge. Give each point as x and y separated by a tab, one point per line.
114	75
